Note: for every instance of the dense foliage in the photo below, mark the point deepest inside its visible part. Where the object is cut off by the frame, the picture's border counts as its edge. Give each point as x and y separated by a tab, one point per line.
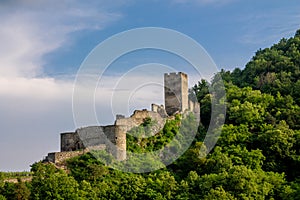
256	157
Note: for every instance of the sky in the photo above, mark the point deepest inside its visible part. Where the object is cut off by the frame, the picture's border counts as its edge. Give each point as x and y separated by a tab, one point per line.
44	43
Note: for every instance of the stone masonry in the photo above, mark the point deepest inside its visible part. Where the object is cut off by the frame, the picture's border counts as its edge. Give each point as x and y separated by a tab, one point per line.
176	92
113	137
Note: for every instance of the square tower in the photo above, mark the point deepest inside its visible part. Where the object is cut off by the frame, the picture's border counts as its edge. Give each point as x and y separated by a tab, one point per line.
176	92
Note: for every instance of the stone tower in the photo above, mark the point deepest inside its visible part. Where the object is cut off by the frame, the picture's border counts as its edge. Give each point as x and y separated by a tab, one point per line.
176	92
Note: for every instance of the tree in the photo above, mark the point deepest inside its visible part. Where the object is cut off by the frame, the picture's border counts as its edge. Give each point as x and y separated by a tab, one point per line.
218	193
201	89
51	183
22	192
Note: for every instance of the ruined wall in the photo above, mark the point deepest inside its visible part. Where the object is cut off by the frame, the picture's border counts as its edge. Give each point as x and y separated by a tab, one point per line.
184	91
92	137
87	137
194	106
60	157
110	133
120	141
70	142
123	125
116	134
176	92
138	118
159	109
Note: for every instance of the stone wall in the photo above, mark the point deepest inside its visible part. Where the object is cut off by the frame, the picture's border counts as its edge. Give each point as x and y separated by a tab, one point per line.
184	91
194	106
176	92
159	109
87	137
113	137
70	142
120	141
110	133
60	157
138	118
92	135
123	125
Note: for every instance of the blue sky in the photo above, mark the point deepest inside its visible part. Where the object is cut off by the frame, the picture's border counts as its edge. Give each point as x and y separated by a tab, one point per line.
43	45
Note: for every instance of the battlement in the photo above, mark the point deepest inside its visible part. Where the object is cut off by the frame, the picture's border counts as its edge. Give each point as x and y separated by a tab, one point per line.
174	74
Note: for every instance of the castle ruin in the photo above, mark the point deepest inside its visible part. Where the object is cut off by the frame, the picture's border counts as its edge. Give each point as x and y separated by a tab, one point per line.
113	137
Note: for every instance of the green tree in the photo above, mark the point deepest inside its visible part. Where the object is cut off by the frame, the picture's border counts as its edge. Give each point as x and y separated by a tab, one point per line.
51	183
219	193
22	192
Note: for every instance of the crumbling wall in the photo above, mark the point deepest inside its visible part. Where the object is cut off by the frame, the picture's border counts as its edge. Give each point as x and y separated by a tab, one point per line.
110	133
60	157
70	142
159	109
194	106
184	91
113	137
138	118
123	125
92	135
120	139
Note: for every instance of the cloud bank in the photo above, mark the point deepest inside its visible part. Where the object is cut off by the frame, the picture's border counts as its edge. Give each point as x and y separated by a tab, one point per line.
35	108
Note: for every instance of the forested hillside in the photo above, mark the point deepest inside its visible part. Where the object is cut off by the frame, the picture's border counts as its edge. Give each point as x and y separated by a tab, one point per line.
256	157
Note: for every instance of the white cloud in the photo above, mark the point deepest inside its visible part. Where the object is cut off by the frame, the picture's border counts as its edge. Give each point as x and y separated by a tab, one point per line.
29	30
46	89
34	107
